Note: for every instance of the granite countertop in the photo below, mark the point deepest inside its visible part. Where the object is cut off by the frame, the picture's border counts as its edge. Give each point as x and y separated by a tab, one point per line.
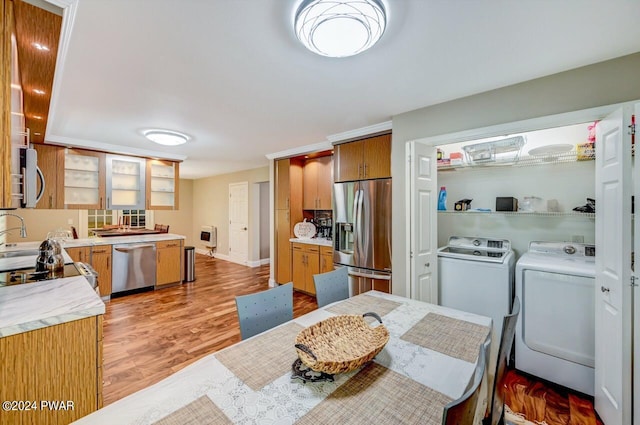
38	305
313	241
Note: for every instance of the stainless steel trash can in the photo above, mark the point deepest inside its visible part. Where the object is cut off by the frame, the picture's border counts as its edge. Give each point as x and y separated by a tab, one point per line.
189	263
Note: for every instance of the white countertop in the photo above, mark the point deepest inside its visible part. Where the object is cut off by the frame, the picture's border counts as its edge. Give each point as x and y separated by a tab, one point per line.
38	305
26	261
313	241
120	239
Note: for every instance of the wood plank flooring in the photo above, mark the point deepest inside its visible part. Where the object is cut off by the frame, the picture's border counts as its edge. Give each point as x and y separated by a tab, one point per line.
149	336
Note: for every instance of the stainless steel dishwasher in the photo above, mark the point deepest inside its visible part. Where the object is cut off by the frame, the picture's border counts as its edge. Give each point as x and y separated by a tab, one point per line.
134	266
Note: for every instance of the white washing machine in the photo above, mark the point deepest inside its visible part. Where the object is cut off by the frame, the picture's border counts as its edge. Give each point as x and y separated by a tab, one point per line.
476	275
555	334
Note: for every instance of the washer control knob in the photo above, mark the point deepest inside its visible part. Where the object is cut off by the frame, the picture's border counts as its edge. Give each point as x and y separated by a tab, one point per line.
476	242
570	249
603	289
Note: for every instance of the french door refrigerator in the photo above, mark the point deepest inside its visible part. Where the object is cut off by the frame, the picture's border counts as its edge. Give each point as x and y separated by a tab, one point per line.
362	234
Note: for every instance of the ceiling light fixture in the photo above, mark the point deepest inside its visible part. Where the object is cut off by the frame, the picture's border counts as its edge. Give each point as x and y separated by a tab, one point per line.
340	28
36	117
166	137
38	91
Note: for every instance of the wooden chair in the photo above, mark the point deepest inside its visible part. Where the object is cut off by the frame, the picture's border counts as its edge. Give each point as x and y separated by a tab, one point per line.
264	310
496	398
164	228
462	411
331	286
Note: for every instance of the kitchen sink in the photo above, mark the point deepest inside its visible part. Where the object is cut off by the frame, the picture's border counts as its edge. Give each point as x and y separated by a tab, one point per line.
20	253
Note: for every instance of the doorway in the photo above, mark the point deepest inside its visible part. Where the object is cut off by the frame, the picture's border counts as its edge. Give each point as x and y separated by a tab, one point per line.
239	222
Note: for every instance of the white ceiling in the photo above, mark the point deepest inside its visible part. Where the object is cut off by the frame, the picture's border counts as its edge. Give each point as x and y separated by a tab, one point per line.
232	74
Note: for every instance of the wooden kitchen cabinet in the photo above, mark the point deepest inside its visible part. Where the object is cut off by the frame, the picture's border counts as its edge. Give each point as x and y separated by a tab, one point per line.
168	262
84	179
80	254
283	255
306	263
317	183
49	158
56	363
364	159
101	261
162	185
288	202
326	259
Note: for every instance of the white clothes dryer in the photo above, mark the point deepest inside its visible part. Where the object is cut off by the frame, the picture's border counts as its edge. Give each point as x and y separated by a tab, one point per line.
555	333
476	275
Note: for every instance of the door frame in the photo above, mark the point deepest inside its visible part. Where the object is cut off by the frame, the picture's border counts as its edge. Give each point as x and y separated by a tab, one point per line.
540	123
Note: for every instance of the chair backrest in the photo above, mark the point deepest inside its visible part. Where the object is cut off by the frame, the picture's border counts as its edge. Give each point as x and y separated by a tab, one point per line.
164	228
462	411
331	286
74	232
496	405
264	310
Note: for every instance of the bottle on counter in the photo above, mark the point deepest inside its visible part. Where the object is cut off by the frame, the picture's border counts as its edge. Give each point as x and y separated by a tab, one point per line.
442	199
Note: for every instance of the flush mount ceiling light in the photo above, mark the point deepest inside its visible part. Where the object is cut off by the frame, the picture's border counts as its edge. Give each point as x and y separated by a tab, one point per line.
339	28
166	137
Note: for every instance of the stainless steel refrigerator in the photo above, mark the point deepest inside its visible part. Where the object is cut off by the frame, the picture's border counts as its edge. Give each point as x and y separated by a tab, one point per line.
362	234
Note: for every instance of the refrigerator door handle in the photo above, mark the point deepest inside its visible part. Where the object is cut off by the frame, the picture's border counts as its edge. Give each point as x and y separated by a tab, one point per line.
356	223
370	276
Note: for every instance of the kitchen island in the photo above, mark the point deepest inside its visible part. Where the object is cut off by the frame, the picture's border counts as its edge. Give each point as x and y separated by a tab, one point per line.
50	348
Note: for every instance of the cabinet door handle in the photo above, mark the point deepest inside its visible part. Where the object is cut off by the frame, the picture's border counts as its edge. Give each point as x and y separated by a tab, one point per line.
287	202
108	258
50	201
365	170
359	170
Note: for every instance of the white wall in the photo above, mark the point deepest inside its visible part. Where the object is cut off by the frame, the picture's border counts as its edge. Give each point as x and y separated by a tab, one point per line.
595	85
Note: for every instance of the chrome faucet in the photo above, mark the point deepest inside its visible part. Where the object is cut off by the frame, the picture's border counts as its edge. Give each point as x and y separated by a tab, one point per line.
23	228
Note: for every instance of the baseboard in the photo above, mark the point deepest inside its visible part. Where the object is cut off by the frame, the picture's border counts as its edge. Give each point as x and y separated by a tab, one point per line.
219	256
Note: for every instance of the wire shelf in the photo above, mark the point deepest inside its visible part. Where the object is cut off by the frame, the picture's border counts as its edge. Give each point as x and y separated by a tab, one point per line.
522	213
525	161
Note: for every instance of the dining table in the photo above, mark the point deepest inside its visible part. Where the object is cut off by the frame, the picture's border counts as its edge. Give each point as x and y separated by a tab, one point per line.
428	361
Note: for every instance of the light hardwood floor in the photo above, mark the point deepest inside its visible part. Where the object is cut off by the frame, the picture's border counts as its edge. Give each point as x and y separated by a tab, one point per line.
149	336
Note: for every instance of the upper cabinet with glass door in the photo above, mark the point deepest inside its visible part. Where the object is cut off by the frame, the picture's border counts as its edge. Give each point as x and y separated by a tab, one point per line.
162	185
125	182
84	179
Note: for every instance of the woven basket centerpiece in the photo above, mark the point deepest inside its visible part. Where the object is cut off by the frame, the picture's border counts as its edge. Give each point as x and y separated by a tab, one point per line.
341	344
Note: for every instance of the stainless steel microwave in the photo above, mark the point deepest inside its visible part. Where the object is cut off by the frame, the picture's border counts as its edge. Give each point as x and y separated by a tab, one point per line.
24	178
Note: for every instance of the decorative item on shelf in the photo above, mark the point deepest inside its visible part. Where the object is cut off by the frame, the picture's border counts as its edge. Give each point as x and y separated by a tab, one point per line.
341	344
440	154
506	203
463	205
304	230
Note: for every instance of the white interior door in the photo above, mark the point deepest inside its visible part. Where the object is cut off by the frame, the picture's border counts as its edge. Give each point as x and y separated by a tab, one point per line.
613	269
239	222
423	236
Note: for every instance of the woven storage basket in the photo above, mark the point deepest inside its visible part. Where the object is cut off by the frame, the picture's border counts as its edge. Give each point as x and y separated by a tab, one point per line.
340	344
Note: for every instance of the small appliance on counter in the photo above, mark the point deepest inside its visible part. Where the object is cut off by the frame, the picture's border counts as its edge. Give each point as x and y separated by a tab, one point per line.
50	258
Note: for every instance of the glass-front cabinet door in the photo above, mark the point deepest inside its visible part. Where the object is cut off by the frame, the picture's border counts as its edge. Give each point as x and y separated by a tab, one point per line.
84	179
125	182
162	185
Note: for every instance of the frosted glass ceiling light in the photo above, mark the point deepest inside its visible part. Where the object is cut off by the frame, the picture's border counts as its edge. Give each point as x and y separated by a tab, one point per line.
166	137
339	28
